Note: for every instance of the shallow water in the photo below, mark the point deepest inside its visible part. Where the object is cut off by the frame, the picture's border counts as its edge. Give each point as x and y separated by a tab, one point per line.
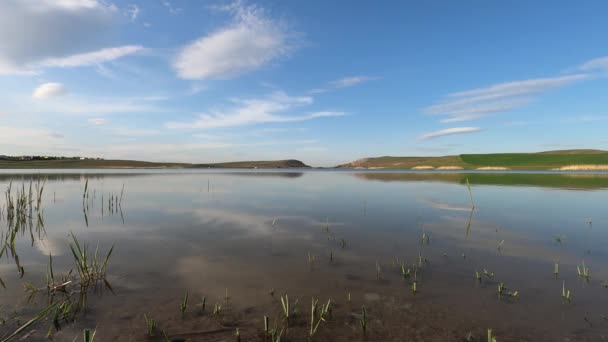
322	235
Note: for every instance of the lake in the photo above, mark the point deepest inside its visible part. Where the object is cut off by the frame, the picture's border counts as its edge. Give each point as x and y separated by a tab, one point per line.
408	247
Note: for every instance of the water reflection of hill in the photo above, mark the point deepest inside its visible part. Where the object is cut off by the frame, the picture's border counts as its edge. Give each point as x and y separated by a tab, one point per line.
562	181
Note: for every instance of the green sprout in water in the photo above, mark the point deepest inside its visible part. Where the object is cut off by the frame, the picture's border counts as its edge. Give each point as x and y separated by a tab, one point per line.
150	325
184	305
363	321
491	337
583	271
566	294
217	310
323	314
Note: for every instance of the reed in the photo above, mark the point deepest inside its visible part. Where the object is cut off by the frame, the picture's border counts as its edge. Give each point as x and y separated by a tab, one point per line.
566	294
285	306
583	271
556	269
237	334
378	271
405	273
90	270
217	310
89	336
470	193
491	337
363	321
183	306
322	314
32	321
150	325
266	331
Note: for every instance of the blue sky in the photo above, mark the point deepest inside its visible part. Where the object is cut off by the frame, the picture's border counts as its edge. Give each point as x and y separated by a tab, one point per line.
325	82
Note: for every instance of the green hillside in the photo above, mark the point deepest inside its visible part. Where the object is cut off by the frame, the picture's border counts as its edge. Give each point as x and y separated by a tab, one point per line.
516	161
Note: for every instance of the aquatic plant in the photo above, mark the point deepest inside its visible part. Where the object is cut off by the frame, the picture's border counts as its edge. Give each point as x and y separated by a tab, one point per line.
266	331
202	304
36	318
150	325
90	270
363	321
405	273
378	271
285	306
470	193
491	337
323	315
238	335
556	269
217	310
89	336
566	294
583	271
183	306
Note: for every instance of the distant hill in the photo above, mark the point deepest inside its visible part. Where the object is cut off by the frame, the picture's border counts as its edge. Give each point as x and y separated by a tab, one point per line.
562	159
129	164
273	164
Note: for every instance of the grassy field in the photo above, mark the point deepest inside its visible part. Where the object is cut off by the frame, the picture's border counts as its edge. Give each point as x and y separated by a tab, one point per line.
127	164
516	161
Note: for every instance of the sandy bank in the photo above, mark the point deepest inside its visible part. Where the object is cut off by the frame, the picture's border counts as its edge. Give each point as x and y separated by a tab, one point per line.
423	167
493	168
450	168
583	167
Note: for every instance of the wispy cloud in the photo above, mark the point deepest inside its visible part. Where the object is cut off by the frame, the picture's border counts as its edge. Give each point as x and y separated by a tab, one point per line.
343	83
256	111
132	11
480	102
172	9
91	58
449	131
49	90
597	64
250	41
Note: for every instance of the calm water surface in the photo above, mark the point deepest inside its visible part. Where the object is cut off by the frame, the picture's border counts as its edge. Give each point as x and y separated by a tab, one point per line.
255	236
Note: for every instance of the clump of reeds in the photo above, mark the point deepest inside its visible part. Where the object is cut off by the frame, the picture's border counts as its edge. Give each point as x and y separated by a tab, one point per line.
90	269
323	314
150	325
583	271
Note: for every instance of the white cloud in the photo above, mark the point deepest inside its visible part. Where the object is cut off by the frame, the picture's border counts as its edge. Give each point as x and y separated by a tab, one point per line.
351	81
91	58
449	131
249	42
343	83
256	111
97	121
36	30
600	64
480	102
49	90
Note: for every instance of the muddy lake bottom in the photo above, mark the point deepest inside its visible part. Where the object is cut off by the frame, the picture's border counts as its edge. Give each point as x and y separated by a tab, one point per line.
408	247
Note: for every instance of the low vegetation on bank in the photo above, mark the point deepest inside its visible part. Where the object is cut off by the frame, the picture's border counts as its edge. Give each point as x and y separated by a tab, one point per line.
565	160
